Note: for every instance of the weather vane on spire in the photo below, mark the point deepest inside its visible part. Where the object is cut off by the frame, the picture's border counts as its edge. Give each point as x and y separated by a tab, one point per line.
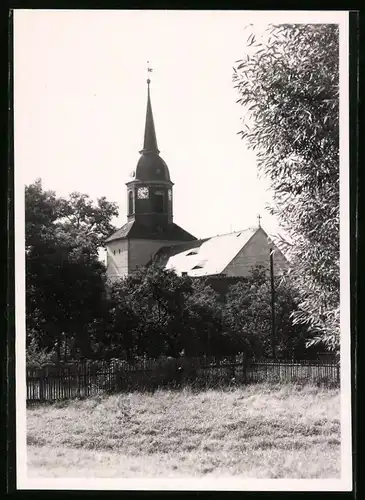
149	70
259	219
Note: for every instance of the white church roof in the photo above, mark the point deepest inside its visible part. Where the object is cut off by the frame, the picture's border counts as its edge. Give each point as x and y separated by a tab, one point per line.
212	256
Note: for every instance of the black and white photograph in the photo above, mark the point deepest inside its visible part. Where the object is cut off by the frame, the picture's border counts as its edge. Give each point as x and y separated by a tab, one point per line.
182	250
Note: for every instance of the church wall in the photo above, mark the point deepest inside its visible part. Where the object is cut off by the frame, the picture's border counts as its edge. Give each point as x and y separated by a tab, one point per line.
255	252
117	263
141	251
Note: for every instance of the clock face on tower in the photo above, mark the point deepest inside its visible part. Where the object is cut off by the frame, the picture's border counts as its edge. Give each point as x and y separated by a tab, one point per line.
142	193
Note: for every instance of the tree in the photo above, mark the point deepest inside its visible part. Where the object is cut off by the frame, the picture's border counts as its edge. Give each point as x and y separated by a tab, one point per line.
154	312
65	281
248	314
84	222
203	331
289	86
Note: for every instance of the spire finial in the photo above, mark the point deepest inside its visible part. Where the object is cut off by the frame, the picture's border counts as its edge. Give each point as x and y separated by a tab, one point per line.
150	141
149	70
259	220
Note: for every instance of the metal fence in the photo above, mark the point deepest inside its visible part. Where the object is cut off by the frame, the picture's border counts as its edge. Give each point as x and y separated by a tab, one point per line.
78	380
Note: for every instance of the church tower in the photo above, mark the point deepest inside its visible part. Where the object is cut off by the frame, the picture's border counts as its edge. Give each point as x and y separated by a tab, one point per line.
150	191
149	225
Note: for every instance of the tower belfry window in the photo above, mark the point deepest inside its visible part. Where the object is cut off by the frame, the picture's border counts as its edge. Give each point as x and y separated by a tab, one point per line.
158	201
130	202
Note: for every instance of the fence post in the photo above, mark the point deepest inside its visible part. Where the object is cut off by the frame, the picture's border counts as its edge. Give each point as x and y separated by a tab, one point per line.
244	367
41	382
78	382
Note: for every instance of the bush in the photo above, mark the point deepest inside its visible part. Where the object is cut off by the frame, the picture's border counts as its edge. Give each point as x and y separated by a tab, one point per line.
37	357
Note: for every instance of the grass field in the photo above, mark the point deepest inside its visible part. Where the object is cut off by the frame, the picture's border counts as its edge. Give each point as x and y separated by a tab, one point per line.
257	431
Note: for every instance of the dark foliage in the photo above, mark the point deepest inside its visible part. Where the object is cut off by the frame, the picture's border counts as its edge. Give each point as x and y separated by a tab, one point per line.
73	312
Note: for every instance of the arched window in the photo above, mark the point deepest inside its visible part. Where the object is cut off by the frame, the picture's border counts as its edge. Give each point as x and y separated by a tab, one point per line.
130	202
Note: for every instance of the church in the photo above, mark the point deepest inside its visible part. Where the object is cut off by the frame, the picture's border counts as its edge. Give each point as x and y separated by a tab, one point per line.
151	235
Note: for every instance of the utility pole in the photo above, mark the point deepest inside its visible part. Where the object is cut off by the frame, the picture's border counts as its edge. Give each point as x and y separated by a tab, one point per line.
273	335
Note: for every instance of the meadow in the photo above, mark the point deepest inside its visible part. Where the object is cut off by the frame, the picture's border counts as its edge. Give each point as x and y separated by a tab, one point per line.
254	431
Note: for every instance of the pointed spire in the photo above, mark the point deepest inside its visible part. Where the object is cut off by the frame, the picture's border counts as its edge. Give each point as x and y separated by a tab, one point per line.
150	141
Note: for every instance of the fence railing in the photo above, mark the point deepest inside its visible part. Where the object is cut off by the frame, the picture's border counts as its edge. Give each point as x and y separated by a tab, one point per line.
52	383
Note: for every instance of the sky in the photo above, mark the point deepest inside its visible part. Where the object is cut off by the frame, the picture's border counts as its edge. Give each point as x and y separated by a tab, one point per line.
80	102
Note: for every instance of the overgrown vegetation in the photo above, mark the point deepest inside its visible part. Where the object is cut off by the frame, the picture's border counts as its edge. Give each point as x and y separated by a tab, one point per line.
261	431
289	85
74	313
65	279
